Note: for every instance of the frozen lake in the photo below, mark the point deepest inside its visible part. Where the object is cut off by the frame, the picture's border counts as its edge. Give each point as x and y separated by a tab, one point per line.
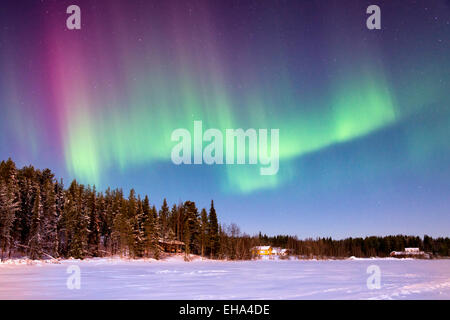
175	279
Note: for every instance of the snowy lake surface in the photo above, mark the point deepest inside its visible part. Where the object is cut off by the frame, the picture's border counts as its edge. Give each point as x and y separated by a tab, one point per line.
176	279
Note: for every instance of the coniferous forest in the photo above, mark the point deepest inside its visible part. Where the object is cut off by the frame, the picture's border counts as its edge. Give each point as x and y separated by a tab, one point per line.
41	218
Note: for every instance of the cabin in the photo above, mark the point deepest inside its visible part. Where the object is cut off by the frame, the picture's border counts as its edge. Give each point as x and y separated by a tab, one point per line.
171	246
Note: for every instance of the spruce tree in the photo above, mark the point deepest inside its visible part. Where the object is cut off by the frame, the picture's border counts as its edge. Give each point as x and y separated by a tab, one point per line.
163	218
79	223
213	231
187	241
50	220
7	217
117	222
35	249
156	226
146	226
59	205
94	223
204	232
138	233
9	205
192	226
23	222
107	222
173	223
124	234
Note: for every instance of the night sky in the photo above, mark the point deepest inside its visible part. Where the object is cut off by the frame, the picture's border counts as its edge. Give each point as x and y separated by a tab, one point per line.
364	115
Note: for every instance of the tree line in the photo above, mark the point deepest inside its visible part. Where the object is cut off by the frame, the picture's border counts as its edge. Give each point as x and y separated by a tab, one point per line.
359	247
40	218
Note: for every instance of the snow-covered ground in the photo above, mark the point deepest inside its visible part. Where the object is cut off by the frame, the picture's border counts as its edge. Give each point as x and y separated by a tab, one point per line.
176	279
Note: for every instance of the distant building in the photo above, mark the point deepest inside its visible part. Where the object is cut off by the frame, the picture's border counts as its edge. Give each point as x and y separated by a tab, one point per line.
263	250
410	253
279	251
276	251
269	251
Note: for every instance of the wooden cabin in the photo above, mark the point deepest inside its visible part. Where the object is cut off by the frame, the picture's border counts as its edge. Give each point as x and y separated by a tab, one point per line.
171	246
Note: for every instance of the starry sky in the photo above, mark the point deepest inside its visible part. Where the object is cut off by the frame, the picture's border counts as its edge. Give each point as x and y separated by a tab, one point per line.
364	115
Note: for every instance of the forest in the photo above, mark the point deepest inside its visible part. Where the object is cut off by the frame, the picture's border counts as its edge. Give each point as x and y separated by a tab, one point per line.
40	218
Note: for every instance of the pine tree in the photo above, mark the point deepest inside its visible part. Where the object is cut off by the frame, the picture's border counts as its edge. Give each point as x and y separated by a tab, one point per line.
103	231
59	206
138	233
79	224
107	221
35	249
50	220
94	223
123	230
147	231
193	226
163	218
7	216
173	223
156	226
187	241
23	222
116	222
9	205
133	230
151	230
204	232
213	231
64	226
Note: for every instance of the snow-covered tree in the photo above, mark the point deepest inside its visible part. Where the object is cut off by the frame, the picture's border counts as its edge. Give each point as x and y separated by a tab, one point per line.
35	243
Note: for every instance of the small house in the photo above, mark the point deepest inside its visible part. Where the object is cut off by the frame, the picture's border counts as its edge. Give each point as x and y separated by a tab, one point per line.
412	250
280	251
269	251
262	250
172	246
410	253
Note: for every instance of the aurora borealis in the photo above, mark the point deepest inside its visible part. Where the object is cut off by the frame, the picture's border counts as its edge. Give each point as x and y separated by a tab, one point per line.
364	115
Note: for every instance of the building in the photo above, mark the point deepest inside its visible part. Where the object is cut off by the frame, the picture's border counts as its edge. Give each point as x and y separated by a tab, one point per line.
173	246
262	250
410	253
280	251
269	251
